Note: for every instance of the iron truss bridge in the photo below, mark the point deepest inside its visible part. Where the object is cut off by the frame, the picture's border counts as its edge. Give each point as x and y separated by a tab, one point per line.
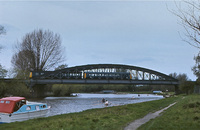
102	74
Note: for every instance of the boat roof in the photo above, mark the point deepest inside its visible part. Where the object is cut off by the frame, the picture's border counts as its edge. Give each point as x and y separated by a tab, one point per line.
15	99
7	104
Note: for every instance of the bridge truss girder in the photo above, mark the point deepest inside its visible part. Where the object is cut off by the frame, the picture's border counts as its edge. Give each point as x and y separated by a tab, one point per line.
137	73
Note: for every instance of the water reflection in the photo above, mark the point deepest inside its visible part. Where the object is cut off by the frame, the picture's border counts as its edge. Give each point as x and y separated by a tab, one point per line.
63	105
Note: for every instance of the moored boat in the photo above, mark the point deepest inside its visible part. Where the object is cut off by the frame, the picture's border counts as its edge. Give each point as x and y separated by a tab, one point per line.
19	109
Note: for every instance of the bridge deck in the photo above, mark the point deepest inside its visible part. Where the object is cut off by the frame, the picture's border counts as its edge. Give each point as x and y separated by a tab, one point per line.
89	81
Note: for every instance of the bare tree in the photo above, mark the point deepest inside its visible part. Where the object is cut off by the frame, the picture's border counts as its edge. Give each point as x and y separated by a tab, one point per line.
181	77
188	11
63	66
2	31
38	50
3	72
196	67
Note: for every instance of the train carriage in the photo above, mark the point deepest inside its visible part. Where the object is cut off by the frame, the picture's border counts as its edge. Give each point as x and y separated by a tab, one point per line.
107	75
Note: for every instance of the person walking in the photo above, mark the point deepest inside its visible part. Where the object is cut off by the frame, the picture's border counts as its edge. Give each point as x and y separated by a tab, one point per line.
103	100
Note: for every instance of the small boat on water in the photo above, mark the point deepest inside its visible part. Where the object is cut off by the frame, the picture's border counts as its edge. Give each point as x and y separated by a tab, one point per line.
19	109
106	103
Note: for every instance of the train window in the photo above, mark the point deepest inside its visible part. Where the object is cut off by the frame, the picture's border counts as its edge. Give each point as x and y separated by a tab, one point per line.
2	102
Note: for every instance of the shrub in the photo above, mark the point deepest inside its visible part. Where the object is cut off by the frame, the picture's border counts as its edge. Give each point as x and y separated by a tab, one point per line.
14	88
2	89
187	87
61	90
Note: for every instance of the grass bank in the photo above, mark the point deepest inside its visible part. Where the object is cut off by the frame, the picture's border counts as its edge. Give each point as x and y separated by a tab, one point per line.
109	118
184	115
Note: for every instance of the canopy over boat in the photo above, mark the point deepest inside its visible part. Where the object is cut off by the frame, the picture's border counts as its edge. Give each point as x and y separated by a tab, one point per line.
11	104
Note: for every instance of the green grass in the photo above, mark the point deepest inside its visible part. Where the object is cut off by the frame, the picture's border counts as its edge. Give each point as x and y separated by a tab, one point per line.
109	118
184	115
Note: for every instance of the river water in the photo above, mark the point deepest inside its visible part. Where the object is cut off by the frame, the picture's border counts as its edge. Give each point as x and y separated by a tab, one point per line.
63	105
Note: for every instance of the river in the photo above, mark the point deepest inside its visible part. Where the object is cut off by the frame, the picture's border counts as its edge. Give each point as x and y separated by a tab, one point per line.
63	105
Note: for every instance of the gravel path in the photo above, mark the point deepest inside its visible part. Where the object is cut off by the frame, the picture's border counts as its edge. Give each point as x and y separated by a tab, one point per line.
137	123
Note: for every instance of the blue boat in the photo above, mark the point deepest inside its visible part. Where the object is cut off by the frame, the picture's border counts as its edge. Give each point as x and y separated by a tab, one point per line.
19	109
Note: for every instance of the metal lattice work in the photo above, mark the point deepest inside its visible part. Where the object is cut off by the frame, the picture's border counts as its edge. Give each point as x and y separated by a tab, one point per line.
77	72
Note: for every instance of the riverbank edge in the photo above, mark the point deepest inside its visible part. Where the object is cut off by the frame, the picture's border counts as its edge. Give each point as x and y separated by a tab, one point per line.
184	115
139	122
109	118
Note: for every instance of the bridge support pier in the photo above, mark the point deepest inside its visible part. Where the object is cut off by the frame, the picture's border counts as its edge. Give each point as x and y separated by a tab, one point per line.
177	91
38	91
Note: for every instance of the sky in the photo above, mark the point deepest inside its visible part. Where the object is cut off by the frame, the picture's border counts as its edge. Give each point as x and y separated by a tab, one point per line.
137	33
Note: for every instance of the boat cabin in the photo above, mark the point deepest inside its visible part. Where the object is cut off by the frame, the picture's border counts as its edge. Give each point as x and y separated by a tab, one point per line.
11	104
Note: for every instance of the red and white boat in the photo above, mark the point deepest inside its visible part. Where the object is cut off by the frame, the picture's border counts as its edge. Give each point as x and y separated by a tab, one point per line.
19	109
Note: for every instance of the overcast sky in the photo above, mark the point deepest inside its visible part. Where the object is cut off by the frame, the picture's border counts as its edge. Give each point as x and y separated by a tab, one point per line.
138	33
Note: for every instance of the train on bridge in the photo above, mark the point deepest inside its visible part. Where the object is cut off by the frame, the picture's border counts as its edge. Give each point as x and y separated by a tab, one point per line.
97	72
102	74
81	75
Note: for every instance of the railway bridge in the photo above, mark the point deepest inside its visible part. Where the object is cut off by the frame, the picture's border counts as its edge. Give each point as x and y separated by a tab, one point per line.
102	74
